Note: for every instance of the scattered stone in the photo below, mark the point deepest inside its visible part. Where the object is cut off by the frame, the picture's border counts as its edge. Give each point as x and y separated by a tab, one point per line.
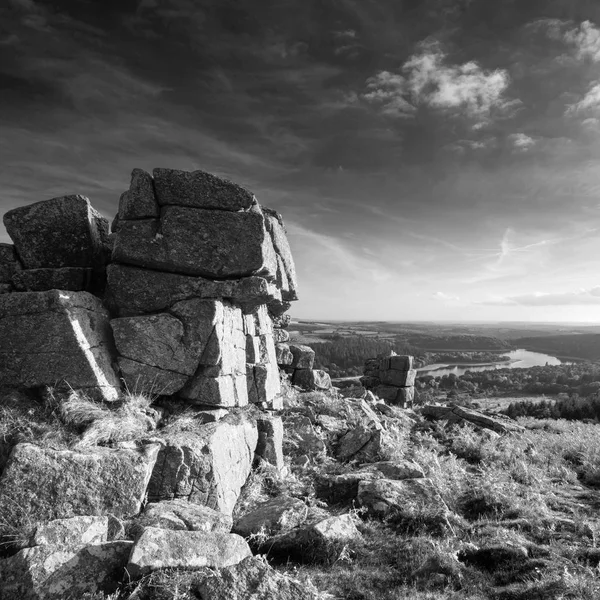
270	441
314	540
381	496
53	338
281	336
397	470
168	549
353	442
312	379
56	233
458	414
51	573
200	190
273	516
304	356
252	579
179	514
206	466
284	355
57	484
139	201
302	432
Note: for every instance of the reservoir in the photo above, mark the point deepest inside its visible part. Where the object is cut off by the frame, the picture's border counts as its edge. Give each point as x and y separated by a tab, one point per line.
519	359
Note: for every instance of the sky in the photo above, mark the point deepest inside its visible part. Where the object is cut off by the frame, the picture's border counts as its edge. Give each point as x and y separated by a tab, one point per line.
432	159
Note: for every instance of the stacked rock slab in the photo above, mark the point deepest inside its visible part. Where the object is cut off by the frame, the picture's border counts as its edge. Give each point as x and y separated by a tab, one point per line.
392	378
197	268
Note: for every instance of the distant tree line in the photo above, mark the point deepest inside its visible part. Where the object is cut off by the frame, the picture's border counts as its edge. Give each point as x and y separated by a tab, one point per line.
574	408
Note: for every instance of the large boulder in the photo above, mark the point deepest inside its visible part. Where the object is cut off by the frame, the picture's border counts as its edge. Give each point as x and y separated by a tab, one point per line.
273	516
132	291
312	379
9	263
61	232
55	573
304	356
67	278
41	484
216	244
199	189
383	496
66	533
251	579
461	415
179	514
270	441
167	549
207	465
55	337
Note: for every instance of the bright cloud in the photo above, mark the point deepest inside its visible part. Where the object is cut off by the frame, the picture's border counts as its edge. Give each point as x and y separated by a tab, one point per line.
521	142
589	103
586	40
429	80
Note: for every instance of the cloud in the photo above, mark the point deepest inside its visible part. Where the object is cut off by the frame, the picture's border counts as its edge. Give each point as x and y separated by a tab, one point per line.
589	103
429	80
586	41
386	90
445	297
578	298
521	142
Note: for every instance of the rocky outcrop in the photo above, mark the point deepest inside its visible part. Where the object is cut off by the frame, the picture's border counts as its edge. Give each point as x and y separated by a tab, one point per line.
56	338
53	484
392	378
461	415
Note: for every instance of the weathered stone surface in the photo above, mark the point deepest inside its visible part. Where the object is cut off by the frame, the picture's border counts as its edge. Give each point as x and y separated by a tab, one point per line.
273	516
280	336
167	549
156	341
207	243
207	466
226	391
286	267
312	379
6	288
9	263
257	351
270	440
458	414
76	531
304	356
50	573
263	383
381	496
402	396
284	355
200	190
314	539
68	278
51	337
182	515
144	379
396	363
263	324
61	232
252	579
57	484
139	201
354	441
398	378
132	290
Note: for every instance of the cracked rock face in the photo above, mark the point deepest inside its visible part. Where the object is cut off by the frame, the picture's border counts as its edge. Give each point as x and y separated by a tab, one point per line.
55	484
206	466
54	337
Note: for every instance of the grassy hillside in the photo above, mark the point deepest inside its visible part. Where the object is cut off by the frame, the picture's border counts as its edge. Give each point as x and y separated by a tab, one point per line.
585	346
